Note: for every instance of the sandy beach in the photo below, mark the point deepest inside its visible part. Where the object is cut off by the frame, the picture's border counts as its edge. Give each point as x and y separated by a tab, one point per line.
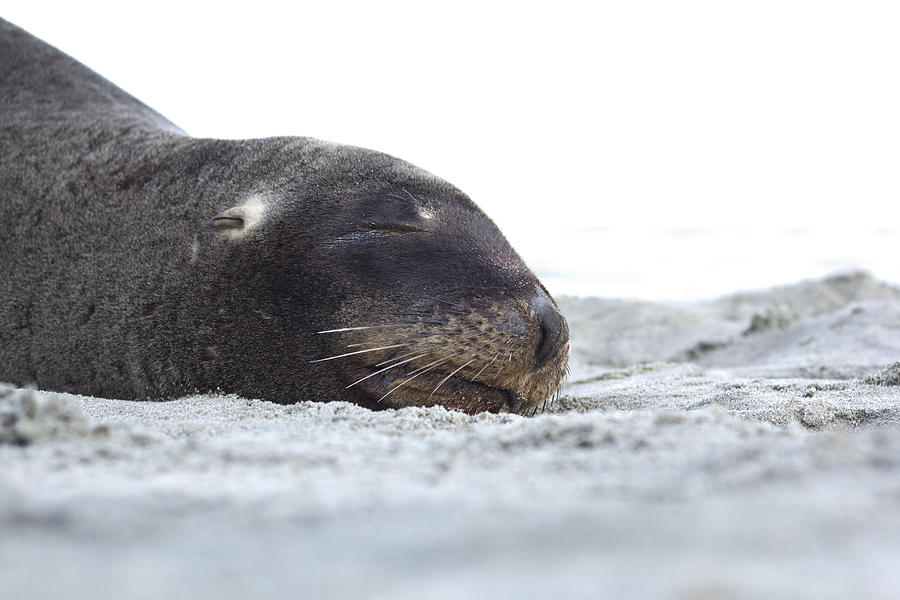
743	447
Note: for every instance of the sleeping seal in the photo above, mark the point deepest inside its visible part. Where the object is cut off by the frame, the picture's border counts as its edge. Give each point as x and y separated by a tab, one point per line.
140	262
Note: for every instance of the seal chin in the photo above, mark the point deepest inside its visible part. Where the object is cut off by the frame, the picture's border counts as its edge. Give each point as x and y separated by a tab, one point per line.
412	386
458	393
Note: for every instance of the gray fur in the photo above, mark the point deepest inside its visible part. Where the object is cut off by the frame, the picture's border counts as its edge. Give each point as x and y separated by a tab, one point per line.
115	284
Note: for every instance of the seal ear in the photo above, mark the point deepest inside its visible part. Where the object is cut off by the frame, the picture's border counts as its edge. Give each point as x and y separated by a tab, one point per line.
232	220
237	221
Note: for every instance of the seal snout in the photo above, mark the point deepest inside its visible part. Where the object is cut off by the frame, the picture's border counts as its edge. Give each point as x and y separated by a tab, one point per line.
554	329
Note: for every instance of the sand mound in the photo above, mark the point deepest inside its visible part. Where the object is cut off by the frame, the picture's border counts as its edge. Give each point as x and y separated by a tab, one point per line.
27	416
743	447
890	375
842	326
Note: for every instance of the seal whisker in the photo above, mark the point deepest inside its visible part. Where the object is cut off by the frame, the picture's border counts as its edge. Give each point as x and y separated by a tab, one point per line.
474	356
444	346
454	372
410	195
499	371
423	313
418	313
421	336
384	362
485	366
433	364
472	301
445	302
420	371
436	363
359	352
552	400
430	349
343	329
386	369
465	309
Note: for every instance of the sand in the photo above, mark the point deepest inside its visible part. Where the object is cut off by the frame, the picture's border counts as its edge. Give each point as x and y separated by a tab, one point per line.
746	447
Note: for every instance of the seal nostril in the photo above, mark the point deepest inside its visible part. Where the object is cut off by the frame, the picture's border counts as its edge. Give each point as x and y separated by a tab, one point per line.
554	330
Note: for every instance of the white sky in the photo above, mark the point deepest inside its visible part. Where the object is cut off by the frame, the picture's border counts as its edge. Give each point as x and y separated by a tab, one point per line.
562	120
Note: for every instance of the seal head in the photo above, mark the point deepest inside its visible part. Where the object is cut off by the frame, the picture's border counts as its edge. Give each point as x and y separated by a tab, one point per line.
426	301
439	308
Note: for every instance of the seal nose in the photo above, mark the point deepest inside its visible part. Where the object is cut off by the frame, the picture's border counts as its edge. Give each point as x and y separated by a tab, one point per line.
554	329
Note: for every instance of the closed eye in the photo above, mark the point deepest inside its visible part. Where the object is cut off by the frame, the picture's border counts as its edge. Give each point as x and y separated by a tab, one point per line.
370	231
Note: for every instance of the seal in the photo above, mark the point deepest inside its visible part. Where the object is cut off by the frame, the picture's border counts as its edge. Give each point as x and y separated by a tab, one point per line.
140	262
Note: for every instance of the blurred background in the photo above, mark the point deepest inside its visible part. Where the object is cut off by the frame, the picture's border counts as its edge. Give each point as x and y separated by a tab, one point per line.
650	149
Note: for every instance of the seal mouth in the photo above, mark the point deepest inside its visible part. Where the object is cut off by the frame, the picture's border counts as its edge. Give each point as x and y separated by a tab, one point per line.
446	389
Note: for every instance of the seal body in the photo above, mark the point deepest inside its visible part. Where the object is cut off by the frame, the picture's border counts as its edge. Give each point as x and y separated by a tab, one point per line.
140	262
